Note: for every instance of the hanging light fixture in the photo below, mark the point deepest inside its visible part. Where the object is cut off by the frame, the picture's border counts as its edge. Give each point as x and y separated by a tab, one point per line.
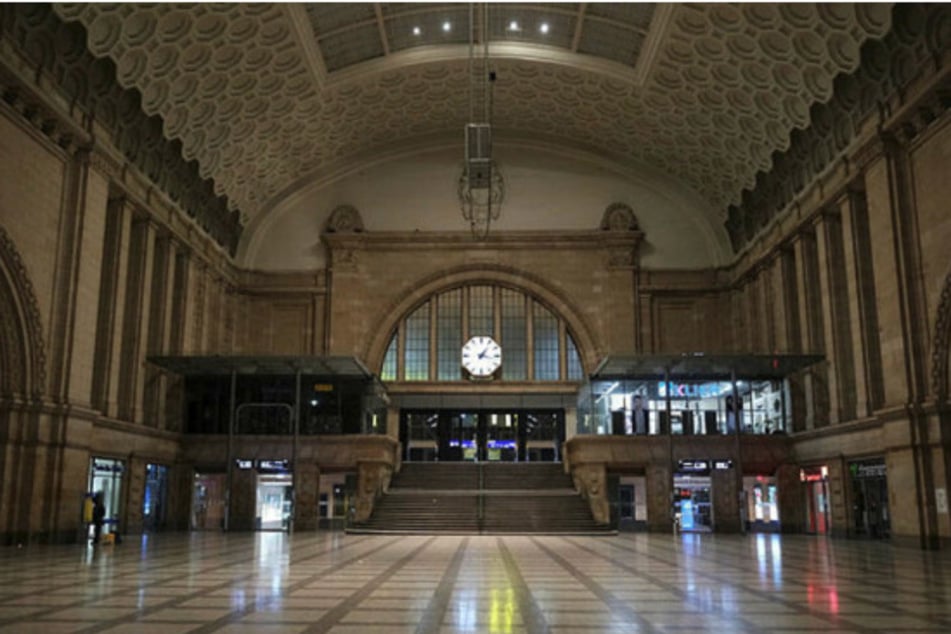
481	188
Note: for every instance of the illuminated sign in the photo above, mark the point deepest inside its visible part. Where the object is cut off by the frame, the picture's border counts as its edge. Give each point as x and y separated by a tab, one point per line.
693	466
244	464
722	465
323	387
693	390
272	465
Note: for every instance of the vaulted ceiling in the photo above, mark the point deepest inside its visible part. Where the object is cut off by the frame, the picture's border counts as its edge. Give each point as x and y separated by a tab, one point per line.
269	97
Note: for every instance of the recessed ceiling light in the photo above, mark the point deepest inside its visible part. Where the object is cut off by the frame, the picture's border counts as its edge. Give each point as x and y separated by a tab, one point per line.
544	27
446	27
417	30
513	26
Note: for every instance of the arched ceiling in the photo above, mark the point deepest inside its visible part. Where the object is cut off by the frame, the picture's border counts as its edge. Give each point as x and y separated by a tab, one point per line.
269	97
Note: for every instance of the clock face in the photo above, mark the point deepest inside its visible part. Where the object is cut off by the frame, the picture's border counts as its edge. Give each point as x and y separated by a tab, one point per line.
481	356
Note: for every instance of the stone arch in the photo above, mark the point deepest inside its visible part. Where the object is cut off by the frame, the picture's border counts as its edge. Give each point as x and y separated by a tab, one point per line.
942	345
589	347
22	351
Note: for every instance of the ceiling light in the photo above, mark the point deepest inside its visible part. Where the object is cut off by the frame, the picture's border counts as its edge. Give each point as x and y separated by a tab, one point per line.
446	27
417	30
513	26
544	27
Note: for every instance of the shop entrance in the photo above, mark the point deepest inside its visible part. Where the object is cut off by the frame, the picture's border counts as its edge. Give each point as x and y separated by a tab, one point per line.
482	435
692	509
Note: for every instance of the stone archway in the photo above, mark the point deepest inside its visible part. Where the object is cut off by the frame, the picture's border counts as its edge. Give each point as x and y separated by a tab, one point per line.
22	350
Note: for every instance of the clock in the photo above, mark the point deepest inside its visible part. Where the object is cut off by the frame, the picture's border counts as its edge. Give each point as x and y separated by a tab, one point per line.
481	356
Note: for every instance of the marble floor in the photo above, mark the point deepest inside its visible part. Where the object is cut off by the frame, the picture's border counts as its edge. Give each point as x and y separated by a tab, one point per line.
329	582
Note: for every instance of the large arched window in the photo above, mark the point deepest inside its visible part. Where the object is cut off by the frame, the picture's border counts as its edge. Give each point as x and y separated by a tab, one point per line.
427	343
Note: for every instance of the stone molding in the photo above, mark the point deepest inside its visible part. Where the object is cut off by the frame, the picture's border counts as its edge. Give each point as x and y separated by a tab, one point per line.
941	346
21	327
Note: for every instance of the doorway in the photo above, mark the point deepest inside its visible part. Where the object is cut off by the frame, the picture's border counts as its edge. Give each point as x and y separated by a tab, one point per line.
692	508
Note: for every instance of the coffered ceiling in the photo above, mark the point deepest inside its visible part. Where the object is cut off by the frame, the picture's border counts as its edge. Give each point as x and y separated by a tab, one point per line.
269	97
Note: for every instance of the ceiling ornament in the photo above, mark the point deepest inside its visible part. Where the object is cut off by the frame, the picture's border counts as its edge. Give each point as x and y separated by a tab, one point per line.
728	85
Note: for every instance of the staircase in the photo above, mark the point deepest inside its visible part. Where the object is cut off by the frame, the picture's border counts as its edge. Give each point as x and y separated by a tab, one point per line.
469	498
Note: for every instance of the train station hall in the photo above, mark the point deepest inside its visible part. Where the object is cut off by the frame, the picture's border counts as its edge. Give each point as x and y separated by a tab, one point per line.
494	318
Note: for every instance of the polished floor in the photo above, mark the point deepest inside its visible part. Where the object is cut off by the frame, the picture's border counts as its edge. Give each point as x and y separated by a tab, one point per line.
328	582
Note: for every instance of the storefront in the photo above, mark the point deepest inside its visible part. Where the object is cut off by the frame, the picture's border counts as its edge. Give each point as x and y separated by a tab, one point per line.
690	395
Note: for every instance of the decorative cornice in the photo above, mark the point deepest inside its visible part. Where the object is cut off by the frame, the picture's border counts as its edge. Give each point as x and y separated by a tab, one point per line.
941	344
888	67
31	324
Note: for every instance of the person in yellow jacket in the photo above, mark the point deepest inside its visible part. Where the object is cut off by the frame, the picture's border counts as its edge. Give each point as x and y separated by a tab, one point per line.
89	506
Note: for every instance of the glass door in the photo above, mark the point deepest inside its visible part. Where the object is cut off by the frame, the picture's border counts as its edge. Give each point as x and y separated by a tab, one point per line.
500	433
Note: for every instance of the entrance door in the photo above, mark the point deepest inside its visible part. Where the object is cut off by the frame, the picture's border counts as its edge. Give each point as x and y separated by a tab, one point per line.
500	432
692	503
274	502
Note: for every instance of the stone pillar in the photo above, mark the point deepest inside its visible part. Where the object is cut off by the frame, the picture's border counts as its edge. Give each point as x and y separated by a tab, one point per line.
850	253
243	505
840	496
132	520
135	325
307	492
726	501
109	372
804	251
828	405
181	486
792	504
659	503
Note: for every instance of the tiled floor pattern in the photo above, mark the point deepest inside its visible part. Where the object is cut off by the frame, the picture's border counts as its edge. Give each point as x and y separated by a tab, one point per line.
327	582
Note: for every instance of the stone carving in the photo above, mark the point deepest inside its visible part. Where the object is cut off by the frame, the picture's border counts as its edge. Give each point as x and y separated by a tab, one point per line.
941	346
235	89
619	217
373	478
20	325
591	481
344	219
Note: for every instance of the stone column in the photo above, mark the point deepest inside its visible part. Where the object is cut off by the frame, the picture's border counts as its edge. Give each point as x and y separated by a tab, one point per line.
307	492
110	370
135	325
243	506
181	486
591	480
726	501
792	506
132	522
659	503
